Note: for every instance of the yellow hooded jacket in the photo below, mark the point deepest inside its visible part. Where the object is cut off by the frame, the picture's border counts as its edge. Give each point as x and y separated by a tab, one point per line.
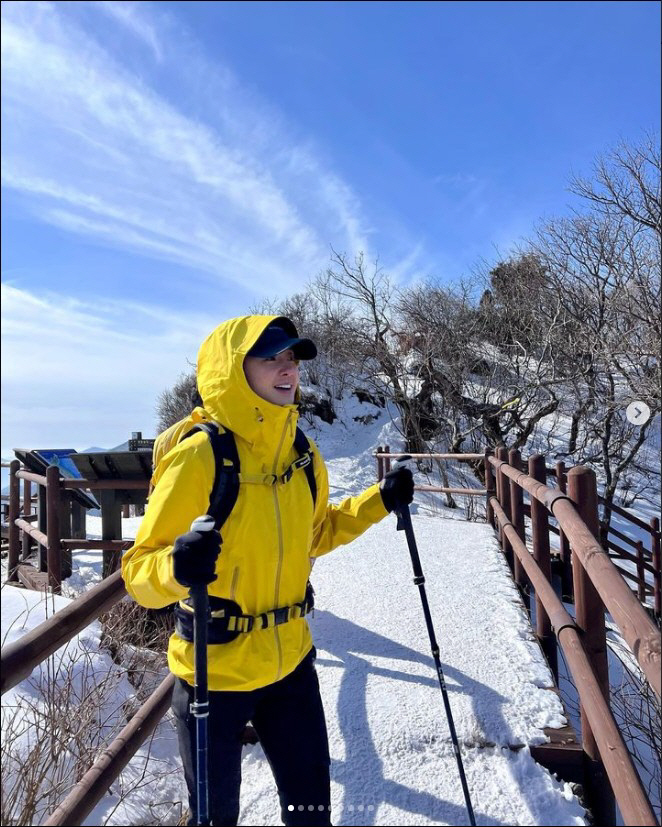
269	537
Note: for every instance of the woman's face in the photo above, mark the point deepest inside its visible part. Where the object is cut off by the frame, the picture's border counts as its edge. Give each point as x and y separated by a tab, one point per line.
275	378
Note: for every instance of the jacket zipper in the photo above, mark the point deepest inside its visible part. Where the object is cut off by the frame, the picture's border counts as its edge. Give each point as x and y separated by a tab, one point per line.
280	547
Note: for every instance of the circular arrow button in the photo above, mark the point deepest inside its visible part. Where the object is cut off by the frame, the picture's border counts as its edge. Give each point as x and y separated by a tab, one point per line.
638	413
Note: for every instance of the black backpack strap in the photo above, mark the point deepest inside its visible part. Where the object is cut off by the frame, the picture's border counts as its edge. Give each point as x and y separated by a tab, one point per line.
302	446
225	490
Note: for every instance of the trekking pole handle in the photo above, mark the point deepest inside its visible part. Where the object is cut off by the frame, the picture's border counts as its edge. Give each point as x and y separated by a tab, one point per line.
205	522
202	524
399	510
401	461
199	707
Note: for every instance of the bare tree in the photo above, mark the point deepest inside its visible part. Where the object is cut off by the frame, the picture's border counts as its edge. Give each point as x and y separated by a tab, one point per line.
488	393
627	182
177	402
376	345
604	275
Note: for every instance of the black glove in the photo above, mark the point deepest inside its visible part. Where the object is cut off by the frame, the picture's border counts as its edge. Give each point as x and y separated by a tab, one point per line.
194	555
397	488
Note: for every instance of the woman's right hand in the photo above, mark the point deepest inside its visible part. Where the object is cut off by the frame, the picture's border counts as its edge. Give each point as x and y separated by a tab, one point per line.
194	555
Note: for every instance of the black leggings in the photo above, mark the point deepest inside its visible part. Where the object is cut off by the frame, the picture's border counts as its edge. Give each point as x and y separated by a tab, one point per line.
289	720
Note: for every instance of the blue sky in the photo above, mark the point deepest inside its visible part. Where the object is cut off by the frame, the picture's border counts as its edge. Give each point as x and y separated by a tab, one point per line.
169	165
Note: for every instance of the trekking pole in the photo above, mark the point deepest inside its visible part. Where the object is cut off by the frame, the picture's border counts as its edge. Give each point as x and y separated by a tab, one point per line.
200	706
404	524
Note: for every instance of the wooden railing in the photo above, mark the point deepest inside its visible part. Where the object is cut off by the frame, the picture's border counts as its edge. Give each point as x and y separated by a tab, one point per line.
597	585
384	457
20	658
54	518
647	558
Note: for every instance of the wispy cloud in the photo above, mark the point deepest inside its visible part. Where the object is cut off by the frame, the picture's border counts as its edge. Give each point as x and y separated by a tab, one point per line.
88	372
101	152
130	15
96	150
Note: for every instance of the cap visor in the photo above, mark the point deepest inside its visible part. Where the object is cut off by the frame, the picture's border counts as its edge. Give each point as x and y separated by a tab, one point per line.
302	348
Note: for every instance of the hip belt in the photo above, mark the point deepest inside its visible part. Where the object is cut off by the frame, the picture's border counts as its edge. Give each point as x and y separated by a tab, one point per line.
227	621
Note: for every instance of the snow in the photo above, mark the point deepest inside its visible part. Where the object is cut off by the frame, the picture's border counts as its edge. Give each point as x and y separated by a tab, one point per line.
392	756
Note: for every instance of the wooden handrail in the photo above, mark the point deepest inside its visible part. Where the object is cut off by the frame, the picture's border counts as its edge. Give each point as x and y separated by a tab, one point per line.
18	659
105	485
632	576
116	545
437	489
619	535
91	485
22	474
638	630
622	554
37	535
632	799
631	517
458	457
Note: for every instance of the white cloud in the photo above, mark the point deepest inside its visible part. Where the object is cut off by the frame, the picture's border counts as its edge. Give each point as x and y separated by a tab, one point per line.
95	150
92	148
80	373
130	15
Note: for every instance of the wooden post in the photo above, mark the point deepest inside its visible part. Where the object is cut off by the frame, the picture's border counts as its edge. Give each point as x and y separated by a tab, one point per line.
564	545
26	542
111	529
42	523
517	519
65	531
125	510
380	465
540	531
78	521
498	480
490	487
590	617
14	493
387	461
641	574
504	502
53	499
655	554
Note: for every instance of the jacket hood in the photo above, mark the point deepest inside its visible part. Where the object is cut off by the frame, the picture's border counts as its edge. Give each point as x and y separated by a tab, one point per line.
222	383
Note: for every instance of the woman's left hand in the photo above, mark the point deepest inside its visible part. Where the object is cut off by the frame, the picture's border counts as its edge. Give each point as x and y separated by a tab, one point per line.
397	488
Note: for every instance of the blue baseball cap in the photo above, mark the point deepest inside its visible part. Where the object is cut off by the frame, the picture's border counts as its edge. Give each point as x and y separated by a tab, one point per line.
275	339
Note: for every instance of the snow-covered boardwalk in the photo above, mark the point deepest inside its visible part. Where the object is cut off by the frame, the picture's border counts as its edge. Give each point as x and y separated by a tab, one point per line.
392	758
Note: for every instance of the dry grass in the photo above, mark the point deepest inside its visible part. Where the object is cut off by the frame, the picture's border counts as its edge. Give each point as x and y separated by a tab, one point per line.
69	710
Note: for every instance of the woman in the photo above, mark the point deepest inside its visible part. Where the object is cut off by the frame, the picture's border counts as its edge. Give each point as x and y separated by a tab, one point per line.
248	378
